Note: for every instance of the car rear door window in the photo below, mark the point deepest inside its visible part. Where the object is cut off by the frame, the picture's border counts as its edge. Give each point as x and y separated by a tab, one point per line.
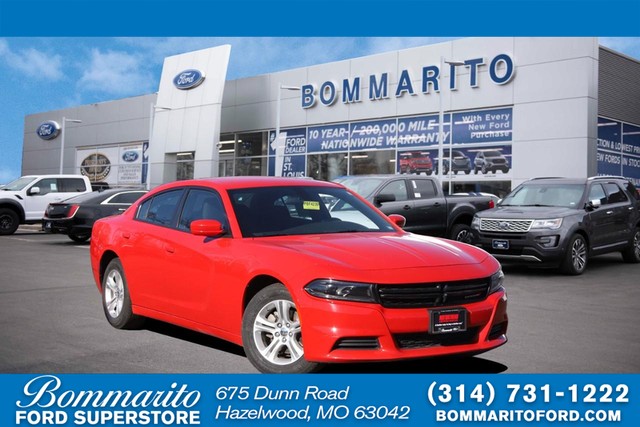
615	193
161	209
72	185
423	188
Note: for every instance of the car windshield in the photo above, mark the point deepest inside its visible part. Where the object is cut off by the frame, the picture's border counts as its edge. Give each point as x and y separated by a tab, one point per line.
544	194
18	184
492	154
297	210
364	186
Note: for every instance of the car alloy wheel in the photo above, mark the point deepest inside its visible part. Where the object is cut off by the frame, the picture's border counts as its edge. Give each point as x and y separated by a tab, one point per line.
116	300
276	333
114	293
632	252
272	333
576	258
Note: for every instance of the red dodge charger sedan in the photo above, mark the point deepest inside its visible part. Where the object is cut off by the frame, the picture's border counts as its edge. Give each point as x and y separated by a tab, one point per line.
299	272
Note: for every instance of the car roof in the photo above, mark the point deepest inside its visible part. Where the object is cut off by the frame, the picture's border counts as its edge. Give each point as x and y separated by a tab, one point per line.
239	182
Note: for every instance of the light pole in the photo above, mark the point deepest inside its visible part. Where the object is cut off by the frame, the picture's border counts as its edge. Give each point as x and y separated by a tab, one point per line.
152	116
64	120
441	123
280	153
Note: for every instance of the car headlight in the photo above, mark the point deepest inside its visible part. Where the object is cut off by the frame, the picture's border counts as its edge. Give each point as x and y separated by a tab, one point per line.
475	223
551	224
343	291
497	280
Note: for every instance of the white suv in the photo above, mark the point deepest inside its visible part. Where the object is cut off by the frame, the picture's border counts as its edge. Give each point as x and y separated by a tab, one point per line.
24	200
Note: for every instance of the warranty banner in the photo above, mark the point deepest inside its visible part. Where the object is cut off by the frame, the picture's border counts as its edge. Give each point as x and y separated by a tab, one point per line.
323	400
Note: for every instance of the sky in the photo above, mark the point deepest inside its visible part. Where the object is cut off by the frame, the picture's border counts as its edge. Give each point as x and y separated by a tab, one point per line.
44	74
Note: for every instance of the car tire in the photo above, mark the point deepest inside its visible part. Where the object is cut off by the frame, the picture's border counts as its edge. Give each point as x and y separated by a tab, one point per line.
484	169
429	173
475	170
632	253
116	300
576	257
80	237
271	333
9	221
461	233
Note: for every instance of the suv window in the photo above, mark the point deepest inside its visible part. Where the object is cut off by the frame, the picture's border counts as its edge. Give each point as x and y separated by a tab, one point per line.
72	185
423	188
615	193
160	209
397	188
597	193
201	204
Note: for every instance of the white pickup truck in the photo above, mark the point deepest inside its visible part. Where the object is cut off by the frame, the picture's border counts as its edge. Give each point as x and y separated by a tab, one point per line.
24	200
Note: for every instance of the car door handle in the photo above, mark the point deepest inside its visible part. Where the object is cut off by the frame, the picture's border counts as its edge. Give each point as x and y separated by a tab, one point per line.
631	208
126	234
169	249
122	209
609	212
406	207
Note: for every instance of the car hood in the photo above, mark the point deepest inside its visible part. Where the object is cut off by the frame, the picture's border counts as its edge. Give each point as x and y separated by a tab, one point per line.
527	212
378	251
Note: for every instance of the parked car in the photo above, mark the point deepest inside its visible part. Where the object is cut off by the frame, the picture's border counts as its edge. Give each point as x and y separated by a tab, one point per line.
460	161
562	222
490	161
24	200
75	217
262	262
416	162
421	201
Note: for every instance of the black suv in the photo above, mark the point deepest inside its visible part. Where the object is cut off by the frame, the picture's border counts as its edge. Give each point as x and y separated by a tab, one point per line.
562	222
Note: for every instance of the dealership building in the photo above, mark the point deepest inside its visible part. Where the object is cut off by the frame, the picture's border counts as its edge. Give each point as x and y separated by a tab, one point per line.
484	114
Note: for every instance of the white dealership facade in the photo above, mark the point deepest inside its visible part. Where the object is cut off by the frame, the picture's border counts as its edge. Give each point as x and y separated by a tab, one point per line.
512	109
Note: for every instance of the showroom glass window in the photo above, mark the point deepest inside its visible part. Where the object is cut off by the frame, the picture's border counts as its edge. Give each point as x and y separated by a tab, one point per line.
372	162
326	167
184	166
251	154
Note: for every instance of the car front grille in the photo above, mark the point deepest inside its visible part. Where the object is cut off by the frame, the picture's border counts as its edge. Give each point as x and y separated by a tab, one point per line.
423	340
422	295
505	225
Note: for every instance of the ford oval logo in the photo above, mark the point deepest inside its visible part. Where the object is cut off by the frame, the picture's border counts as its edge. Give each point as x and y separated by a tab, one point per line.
48	130
188	79
130	156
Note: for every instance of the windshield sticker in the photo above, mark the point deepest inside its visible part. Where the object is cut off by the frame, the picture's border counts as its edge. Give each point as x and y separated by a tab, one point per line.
311	206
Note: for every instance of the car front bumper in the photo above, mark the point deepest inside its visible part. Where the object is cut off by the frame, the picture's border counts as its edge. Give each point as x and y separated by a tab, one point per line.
539	247
350	332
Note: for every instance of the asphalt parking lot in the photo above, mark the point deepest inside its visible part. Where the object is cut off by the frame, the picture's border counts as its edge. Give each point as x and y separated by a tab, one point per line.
51	321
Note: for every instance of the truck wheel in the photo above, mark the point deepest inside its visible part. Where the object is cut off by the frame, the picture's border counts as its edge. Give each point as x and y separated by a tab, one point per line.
484	169
461	233
575	260
80	237
467	171
9	221
631	253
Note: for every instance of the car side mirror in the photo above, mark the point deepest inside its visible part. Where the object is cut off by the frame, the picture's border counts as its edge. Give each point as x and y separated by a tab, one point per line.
34	190
398	220
383	198
207	227
593	204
